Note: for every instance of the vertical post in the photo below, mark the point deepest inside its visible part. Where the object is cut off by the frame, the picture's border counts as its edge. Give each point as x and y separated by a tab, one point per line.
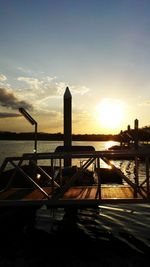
52	175
128	129
147	177
33	122
60	173
121	139
136	138
67	125
35	139
99	181
136	177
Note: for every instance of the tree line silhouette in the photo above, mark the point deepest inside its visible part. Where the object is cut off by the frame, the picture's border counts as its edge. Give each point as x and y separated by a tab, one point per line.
125	136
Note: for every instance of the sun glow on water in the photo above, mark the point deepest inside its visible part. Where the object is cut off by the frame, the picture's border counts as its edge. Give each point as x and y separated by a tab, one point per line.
109	144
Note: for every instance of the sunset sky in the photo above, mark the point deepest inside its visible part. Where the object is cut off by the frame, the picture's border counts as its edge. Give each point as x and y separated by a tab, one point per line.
100	49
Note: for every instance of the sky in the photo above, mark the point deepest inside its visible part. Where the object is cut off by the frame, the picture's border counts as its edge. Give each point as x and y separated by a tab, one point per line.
100	49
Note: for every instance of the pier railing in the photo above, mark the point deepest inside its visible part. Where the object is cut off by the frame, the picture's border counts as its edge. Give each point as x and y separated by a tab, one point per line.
141	189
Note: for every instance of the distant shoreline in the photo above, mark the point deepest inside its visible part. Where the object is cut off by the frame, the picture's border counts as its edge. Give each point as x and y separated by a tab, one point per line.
57	137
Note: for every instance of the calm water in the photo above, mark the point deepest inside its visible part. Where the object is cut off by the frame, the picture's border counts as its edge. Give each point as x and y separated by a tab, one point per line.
123	221
17	148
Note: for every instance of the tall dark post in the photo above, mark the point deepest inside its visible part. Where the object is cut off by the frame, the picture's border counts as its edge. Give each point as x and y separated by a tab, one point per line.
136	138
67	124
128	135
121	138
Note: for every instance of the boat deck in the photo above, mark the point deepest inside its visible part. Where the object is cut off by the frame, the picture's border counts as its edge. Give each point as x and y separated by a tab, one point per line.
77	195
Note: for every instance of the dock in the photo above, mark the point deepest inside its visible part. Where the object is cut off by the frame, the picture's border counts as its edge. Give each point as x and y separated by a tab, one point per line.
24	181
56	194
81	196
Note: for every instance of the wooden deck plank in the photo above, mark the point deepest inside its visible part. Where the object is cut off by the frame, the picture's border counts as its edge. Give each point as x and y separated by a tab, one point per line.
15	194
7	193
74	193
36	194
78	193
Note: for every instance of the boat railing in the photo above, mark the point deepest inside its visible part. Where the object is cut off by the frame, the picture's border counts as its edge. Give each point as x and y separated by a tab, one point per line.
58	190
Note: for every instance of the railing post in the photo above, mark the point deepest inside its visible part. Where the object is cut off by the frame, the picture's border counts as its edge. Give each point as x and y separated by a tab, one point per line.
136	133
94	166
136	177
60	171
99	180
35	139
52	175
147	177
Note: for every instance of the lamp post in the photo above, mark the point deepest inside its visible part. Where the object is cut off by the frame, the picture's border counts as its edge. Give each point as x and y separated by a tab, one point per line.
33	122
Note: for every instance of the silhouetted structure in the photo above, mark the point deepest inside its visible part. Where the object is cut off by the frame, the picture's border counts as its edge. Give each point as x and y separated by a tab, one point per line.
67	124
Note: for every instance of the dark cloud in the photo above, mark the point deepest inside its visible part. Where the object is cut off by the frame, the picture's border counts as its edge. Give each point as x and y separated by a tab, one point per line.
8	115
8	99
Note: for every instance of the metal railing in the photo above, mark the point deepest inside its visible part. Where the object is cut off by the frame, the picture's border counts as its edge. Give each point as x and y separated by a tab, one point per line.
140	189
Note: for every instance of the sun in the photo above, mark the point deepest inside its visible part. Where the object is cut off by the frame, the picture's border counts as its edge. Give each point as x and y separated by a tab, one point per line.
110	113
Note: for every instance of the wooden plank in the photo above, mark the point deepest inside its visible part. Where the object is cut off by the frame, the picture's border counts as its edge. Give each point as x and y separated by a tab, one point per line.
36	194
15	193
9	192
75	193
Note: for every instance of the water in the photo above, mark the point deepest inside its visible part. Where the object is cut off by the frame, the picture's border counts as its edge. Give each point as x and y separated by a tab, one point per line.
122	221
17	148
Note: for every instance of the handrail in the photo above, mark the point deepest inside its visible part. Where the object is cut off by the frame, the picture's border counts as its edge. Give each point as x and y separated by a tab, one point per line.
128	181
30	179
79	154
90	156
45	173
73	179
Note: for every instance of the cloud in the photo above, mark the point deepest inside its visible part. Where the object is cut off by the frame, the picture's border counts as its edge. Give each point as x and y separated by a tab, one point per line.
2	78
145	103
43	93
8	99
8	115
79	89
40	89
53	114
33	83
49	87
81	116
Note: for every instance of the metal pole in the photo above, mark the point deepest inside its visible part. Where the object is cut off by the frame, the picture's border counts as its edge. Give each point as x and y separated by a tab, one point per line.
147	177
99	178
33	122
121	138
136	177
35	139
52	175
136	138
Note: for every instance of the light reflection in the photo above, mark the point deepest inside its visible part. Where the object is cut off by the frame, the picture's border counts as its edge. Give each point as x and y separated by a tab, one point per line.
110	144
109	167
38	176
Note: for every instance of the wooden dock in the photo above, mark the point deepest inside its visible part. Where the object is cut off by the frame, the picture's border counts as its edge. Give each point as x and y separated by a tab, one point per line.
58	195
77	196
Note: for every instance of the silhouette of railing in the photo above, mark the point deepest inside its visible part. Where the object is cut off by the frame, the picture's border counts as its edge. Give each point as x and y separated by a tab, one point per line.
58	190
